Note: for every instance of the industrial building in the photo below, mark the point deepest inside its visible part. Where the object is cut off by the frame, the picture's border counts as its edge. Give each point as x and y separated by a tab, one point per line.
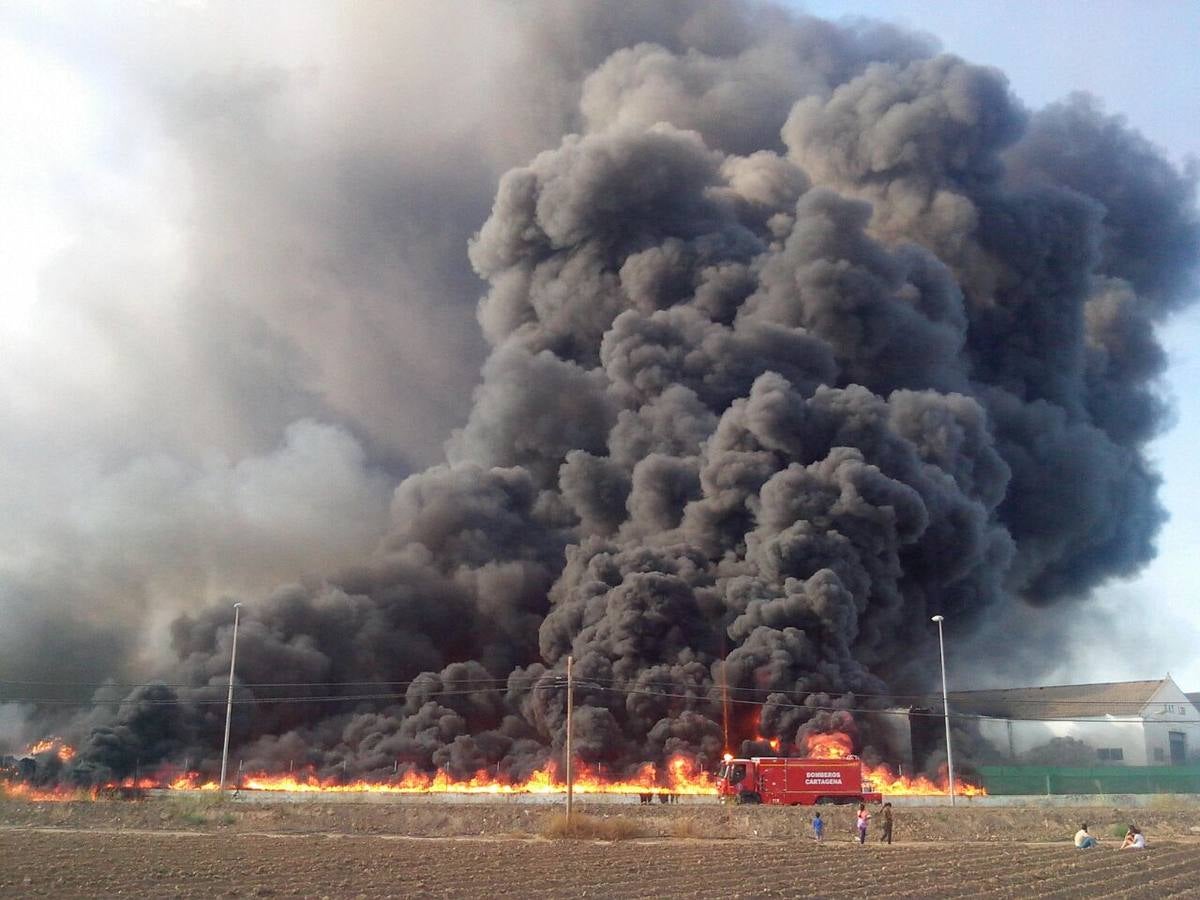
1124	723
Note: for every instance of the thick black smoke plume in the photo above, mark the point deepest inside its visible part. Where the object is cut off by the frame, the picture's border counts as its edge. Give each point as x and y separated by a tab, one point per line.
802	334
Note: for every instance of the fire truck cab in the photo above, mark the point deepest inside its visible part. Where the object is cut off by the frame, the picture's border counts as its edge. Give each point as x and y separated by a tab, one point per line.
794	782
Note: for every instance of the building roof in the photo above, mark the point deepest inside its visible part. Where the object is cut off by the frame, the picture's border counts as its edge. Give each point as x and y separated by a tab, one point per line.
1064	701
1195	698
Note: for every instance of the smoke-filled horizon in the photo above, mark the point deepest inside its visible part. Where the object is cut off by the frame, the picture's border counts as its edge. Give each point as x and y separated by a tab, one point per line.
792	334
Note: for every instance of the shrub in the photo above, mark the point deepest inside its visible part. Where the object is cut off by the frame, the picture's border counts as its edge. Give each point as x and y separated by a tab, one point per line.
195	810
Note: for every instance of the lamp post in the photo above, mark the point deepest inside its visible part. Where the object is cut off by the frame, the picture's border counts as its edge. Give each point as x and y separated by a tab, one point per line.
945	707
237	611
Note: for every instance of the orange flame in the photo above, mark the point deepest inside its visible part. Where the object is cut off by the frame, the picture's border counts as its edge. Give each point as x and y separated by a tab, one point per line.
19	790
773	743
680	775
57	794
838	745
832	745
55	745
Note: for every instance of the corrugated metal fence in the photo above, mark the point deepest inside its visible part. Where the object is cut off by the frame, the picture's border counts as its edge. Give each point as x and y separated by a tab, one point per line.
1001	780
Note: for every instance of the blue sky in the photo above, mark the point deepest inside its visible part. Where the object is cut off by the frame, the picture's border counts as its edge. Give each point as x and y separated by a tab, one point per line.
1142	59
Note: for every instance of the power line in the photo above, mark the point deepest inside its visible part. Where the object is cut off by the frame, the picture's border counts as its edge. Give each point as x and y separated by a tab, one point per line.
222	683
489	683
393	696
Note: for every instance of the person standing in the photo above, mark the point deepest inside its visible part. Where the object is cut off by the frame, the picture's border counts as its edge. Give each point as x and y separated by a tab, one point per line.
887	823
862	819
818	827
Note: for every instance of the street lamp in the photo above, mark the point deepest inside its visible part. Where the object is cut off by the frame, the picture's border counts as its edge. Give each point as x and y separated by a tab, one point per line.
945	707
237	610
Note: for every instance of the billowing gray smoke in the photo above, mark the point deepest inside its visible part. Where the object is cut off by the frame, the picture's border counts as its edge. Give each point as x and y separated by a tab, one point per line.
804	333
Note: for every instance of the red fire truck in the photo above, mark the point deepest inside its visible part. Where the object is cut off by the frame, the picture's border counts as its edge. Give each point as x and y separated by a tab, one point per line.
794	782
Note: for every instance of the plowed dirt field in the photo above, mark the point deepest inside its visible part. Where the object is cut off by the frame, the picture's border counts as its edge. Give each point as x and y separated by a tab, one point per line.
201	848
58	863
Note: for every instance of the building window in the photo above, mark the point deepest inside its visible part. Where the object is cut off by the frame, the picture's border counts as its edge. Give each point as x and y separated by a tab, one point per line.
1159	755
1110	754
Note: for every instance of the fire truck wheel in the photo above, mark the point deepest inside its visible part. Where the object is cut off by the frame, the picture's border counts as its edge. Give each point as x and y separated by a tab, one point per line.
749	797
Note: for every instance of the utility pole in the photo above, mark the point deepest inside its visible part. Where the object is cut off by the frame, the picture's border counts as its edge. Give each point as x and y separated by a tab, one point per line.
237	611
570	710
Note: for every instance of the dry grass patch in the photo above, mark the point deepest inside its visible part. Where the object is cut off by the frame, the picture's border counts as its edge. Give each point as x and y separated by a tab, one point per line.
1171	803
461	821
198	811
581	827
690	828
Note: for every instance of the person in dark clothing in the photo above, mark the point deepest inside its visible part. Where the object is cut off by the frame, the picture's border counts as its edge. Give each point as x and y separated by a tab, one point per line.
887	823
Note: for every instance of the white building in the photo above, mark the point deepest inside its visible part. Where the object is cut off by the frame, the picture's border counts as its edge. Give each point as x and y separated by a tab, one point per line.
1129	723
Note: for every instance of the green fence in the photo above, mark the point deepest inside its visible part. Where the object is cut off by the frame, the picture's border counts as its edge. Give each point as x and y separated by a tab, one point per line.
1001	780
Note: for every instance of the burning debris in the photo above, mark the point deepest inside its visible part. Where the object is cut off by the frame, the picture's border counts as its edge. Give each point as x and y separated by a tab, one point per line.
54	745
784	359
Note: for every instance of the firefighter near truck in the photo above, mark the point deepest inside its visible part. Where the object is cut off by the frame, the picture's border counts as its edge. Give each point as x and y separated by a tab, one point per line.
784	781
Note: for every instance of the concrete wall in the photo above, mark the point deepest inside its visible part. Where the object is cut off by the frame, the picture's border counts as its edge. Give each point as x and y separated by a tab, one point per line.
1107	801
1158	739
1142	743
1170	710
1014	739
